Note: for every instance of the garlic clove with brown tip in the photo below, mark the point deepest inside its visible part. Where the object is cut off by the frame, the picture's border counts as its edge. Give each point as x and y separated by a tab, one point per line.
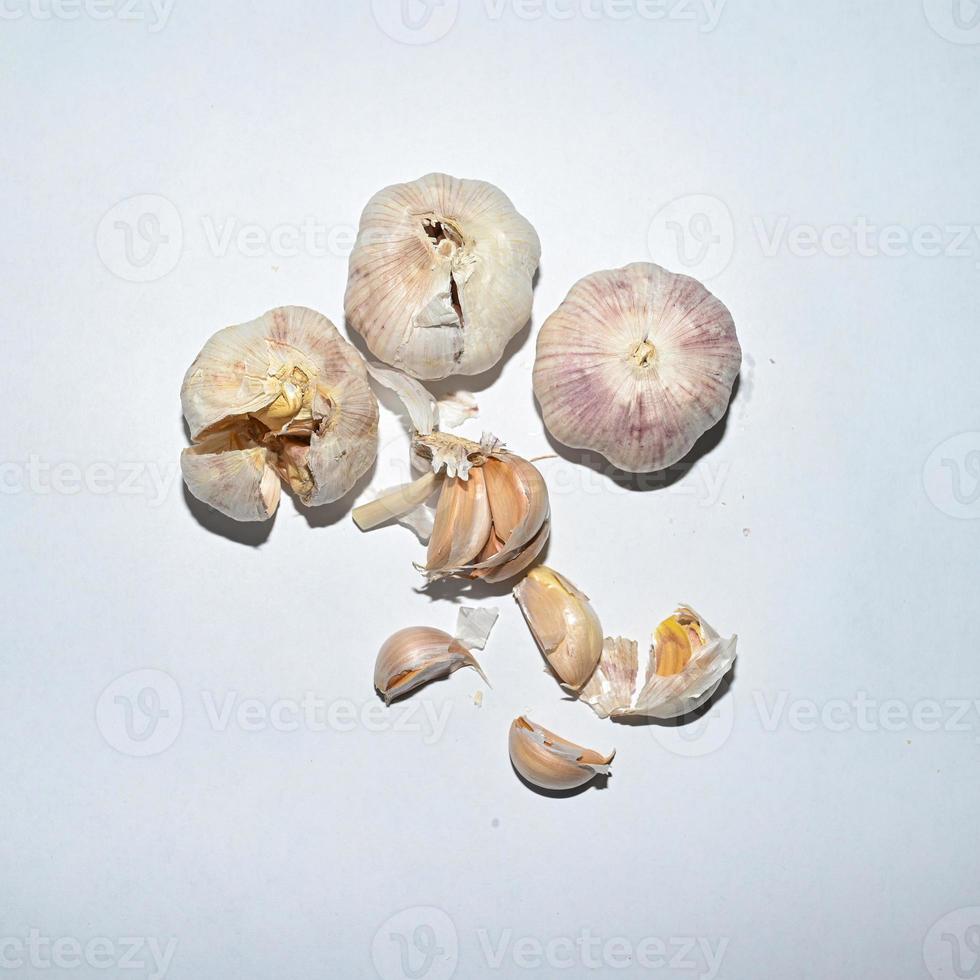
550	761
685	665
418	654
636	364
286	394
563	623
441	275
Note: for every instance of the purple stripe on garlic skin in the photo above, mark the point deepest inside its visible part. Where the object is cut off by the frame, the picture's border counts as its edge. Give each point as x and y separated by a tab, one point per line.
636	364
441	275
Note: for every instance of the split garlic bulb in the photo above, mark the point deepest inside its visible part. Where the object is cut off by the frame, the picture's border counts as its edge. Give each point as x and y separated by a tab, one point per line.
492	514
563	623
685	665
636	364
550	761
281	398
418	654
440	275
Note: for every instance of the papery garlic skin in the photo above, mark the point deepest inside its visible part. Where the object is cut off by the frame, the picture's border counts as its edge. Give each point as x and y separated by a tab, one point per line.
551	762
636	364
685	665
563	623
416	655
441	275
282	396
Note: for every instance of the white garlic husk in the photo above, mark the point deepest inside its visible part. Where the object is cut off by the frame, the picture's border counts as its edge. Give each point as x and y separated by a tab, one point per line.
685	665
441	275
563	623
636	364
418	654
281	398
550	761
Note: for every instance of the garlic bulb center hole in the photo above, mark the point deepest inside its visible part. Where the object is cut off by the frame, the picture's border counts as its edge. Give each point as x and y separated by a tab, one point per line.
643	354
444	237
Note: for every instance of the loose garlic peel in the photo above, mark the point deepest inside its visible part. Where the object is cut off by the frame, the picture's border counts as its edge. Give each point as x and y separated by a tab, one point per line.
281	398
685	665
636	363
563	623
550	761
440	275
418	654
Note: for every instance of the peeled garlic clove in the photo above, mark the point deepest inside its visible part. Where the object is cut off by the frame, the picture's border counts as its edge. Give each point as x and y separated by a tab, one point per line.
684	668
550	761
563	623
418	654
440	275
289	386
239	483
636	363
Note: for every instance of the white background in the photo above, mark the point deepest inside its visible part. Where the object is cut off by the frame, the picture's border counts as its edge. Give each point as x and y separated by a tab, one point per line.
831	522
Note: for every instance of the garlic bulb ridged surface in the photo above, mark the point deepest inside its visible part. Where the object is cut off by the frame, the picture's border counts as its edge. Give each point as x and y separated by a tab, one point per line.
280	398
550	761
563	623
636	364
441	275
686	663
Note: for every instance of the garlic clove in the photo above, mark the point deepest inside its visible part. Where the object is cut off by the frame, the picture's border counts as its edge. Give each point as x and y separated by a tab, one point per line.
685	666
550	761
462	523
441	275
289	385
418	654
524	559
636	363
563	623
238	483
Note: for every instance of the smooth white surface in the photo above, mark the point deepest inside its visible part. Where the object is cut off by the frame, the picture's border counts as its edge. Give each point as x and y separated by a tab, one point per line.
824	526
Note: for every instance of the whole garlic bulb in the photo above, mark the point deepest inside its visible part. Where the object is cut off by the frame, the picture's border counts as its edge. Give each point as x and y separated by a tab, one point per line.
636	363
440	275
281	398
550	761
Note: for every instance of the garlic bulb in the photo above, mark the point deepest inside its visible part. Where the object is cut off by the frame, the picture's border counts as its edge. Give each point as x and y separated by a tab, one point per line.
636	364
686	663
563	623
492	514
550	761
418	654
440	275
283	397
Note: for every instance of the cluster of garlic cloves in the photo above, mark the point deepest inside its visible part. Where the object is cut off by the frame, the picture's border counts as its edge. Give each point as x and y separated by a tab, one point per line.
636	363
685	665
441	275
281	399
483	511
551	762
418	654
563	623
